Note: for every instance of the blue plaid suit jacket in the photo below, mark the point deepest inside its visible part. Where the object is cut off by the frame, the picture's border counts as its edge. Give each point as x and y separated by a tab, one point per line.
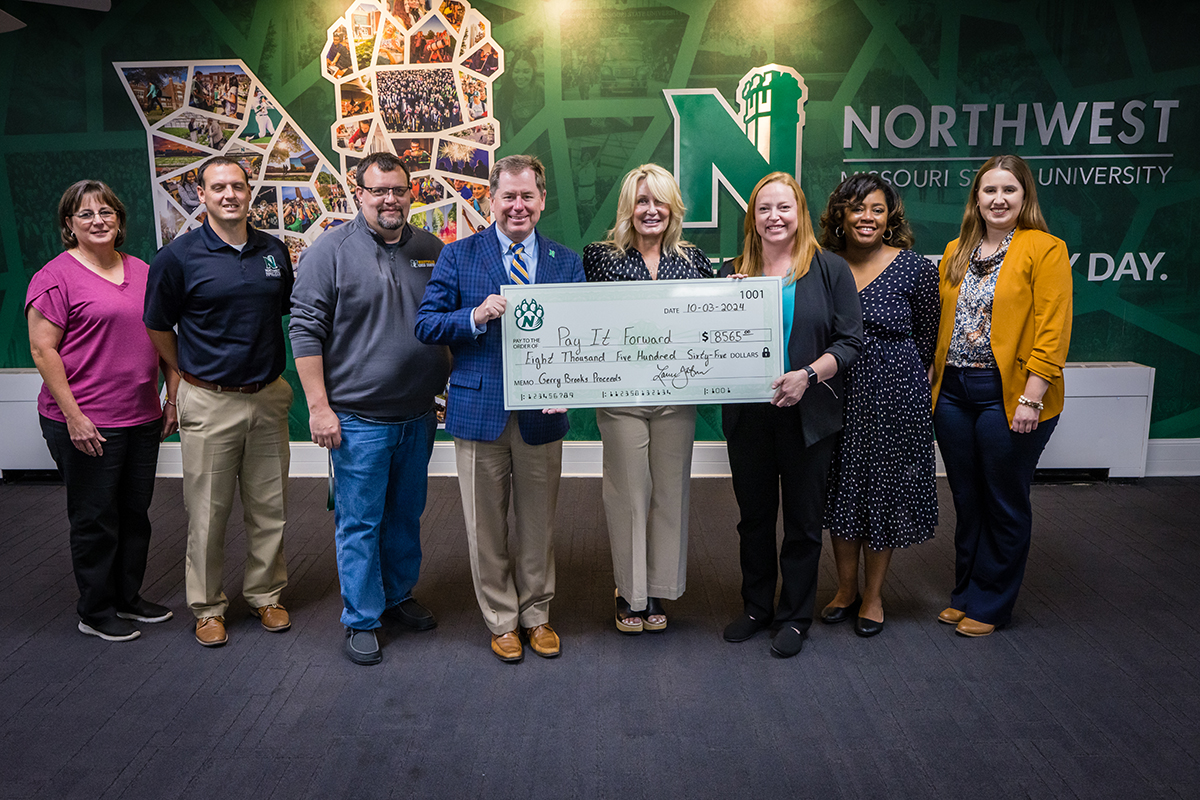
466	273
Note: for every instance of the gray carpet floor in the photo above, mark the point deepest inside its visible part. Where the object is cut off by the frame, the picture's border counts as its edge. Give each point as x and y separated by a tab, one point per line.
1093	692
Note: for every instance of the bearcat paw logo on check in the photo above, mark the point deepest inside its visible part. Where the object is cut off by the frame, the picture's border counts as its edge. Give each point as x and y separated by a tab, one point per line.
529	314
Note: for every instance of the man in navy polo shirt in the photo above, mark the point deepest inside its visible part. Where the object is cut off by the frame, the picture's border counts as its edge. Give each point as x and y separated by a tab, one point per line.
226	286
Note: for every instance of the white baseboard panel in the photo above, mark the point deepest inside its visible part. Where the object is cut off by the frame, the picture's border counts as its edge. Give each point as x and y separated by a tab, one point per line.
1170	458
580	460
1164	458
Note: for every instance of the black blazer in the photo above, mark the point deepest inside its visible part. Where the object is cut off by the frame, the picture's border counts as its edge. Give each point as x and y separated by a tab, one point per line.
827	319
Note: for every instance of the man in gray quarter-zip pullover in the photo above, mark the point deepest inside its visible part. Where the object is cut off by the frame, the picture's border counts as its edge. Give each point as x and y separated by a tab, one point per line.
370	386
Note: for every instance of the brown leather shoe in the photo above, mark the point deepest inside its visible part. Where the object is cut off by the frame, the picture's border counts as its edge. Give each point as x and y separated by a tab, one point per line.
973	628
274	617
507	647
210	631
544	641
951	616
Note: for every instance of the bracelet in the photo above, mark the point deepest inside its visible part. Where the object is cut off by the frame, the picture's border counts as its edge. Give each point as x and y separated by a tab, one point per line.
170	402
1034	404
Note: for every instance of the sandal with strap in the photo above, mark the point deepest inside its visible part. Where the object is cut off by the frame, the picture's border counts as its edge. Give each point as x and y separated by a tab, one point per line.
628	620
654	608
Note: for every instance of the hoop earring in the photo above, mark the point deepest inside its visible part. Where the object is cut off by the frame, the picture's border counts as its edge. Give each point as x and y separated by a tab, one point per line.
838	232
888	234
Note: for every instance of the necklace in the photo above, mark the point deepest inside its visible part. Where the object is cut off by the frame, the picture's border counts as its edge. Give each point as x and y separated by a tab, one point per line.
79	254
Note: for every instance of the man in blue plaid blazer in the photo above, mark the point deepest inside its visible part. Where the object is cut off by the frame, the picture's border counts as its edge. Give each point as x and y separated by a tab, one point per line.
498	451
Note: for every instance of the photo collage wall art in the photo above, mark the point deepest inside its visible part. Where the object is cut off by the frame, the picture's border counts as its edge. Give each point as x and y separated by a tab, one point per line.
417	82
411	81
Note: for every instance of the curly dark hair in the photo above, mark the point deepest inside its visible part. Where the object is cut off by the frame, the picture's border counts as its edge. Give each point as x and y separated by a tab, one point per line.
853	190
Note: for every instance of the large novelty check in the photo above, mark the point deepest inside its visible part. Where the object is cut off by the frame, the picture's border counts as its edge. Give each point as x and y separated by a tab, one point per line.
641	343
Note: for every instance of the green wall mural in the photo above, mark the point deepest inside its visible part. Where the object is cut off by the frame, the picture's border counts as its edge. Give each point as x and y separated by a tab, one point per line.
1100	96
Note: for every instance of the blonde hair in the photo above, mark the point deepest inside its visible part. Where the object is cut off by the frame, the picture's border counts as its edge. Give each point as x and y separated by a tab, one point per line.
972	230
750	262
663	188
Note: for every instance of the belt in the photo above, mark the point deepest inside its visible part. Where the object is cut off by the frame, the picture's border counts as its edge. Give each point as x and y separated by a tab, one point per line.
216	387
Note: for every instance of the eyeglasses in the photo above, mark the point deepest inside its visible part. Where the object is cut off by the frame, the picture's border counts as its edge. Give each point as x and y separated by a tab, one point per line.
105	214
384	191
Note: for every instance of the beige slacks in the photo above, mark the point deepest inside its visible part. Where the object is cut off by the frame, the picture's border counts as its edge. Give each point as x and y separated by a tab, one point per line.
230	440
513	573
647	475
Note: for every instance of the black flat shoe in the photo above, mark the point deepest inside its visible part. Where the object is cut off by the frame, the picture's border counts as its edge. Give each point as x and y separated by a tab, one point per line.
867	627
744	627
788	642
832	615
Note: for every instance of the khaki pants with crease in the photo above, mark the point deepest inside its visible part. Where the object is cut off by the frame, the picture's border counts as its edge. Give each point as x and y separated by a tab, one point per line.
647	477
229	441
513	572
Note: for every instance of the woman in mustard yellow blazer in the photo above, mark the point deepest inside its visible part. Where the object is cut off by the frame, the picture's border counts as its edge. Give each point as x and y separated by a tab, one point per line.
998	383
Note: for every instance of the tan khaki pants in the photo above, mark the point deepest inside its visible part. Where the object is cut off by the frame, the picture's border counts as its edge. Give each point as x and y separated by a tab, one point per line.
513	574
647	475
227	440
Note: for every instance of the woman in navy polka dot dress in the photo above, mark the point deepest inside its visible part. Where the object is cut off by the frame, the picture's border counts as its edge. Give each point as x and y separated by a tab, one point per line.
882	489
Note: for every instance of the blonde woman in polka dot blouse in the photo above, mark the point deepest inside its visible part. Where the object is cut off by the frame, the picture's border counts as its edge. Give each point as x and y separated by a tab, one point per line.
647	449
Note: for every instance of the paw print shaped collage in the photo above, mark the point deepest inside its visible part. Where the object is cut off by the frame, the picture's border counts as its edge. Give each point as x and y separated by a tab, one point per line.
415	79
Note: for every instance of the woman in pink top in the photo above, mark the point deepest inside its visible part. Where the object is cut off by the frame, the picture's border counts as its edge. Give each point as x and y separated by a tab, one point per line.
99	406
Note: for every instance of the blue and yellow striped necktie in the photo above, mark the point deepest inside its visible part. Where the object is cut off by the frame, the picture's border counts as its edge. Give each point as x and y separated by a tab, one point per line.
518	272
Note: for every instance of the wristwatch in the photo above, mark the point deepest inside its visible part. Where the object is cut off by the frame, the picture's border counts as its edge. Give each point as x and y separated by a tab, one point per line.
812	375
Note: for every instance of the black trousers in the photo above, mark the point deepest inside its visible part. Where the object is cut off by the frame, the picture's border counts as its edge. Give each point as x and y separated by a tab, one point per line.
768	458
108	498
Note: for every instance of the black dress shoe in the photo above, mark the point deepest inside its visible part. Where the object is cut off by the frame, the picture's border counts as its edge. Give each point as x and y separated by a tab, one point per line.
867	627
744	627
788	642
832	615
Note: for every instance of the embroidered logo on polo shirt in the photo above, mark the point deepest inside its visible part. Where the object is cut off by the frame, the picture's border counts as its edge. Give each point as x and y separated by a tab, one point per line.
271	269
421	263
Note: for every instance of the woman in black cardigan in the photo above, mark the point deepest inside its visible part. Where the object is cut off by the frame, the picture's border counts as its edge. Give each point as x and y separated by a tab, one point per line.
787	444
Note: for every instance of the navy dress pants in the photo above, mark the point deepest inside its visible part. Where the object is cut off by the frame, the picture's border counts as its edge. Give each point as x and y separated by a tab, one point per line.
990	469
108	500
768	459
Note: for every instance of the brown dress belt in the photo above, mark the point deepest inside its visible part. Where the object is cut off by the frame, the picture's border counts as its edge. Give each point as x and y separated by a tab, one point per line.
216	387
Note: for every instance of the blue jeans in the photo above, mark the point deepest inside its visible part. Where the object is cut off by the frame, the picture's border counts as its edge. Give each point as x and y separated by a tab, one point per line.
990	469
381	476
